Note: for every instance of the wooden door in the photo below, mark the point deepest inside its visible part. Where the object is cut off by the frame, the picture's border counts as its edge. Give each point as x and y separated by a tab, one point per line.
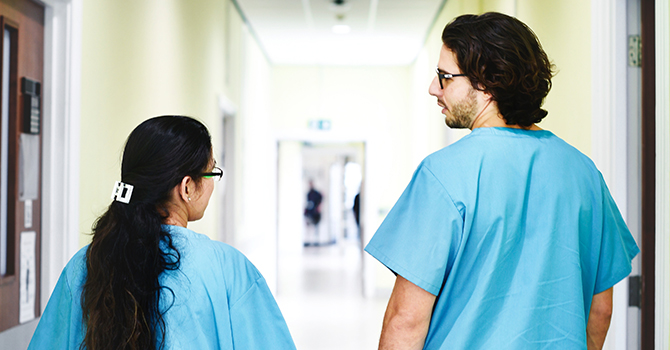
648	137
22	56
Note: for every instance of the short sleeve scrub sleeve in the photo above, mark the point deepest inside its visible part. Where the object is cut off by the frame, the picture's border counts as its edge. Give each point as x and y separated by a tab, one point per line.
426	222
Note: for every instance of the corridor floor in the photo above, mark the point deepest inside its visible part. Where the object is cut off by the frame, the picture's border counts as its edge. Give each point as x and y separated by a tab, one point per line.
320	295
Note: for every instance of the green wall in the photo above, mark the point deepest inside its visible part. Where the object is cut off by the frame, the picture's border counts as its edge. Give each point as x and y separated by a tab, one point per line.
142	59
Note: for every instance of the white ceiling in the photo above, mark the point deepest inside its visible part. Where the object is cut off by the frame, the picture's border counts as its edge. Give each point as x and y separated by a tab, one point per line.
383	32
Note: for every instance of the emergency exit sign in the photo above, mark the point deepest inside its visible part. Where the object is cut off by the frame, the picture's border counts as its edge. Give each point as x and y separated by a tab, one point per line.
320	124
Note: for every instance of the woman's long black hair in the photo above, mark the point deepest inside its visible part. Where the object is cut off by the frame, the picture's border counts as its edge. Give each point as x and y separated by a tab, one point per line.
129	250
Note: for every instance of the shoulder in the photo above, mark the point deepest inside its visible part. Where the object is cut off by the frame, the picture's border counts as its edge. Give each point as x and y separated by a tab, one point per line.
199	249
77	264
488	153
572	159
73	276
216	265
490	143
451	162
79	258
467	150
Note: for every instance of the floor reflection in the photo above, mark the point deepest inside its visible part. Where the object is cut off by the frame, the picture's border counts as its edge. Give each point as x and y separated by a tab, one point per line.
320	295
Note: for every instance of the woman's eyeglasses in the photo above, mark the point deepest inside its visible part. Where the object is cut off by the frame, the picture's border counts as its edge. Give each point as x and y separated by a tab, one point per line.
216	173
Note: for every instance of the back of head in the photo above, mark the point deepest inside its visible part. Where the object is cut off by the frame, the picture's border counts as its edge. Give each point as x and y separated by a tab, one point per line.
160	152
503	57
129	250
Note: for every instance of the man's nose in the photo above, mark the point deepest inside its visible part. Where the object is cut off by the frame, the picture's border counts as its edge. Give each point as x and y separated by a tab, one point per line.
434	88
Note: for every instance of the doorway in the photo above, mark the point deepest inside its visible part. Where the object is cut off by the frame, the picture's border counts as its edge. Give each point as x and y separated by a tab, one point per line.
320	275
335	171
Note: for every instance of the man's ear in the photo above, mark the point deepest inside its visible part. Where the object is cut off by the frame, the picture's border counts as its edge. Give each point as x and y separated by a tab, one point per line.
486	96
186	188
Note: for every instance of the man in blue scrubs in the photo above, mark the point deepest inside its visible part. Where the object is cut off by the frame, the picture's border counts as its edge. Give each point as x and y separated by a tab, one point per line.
508	238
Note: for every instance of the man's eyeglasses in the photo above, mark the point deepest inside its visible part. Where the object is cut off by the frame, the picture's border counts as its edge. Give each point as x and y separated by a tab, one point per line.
217	174
441	76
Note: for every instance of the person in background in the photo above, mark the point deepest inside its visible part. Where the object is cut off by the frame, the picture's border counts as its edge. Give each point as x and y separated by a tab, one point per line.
508	238
357	209
148	282
313	213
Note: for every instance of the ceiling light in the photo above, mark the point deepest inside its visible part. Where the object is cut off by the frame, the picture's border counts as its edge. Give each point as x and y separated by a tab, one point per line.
339	6
341	29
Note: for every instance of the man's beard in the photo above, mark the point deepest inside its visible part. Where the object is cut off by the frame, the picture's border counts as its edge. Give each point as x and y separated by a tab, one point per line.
462	114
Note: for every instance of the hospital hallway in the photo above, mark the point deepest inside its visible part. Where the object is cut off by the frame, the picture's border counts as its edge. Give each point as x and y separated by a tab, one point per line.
320	295
345	96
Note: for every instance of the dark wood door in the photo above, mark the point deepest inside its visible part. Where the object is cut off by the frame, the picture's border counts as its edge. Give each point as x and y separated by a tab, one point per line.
648	198
22	56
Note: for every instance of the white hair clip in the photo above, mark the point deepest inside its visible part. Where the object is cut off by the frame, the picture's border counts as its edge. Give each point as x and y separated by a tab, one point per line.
122	192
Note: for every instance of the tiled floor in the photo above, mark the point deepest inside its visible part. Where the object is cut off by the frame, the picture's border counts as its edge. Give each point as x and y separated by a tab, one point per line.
320	295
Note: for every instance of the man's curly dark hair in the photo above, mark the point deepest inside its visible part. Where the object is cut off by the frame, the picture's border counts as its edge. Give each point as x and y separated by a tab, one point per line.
503	57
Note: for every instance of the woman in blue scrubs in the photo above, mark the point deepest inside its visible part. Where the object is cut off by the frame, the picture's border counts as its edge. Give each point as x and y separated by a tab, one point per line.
148	282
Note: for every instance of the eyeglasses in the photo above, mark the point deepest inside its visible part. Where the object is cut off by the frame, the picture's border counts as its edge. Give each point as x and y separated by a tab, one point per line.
441	76
216	173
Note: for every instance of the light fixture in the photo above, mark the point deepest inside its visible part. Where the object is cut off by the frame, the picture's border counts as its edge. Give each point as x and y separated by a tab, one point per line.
339	7
341	29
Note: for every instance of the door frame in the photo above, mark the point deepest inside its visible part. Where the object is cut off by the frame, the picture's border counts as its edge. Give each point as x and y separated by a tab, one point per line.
662	290
367	202
61	151
609	137
609	127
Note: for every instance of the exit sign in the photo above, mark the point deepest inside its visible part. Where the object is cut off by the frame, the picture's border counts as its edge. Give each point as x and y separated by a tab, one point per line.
320	124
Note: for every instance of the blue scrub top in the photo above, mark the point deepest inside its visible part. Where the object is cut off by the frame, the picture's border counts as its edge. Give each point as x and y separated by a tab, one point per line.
514	231
221	301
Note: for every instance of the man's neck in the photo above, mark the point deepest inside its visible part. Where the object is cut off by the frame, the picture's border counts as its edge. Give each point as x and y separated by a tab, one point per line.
490	117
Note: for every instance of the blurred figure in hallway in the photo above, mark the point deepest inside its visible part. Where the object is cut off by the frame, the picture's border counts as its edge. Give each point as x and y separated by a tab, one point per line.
357	210
313	215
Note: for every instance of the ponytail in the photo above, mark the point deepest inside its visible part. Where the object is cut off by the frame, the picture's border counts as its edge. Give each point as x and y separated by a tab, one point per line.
125	259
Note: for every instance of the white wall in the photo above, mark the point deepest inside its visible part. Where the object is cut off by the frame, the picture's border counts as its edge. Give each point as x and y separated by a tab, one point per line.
255	233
